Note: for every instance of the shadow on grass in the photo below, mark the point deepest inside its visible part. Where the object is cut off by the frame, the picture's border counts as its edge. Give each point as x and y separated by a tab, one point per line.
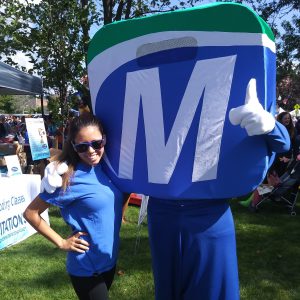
268	250
54	284
268	253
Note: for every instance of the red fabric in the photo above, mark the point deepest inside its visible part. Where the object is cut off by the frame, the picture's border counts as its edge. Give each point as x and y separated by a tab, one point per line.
273	179
256	198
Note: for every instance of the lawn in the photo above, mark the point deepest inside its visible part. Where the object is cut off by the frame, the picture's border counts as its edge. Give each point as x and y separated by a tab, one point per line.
268	249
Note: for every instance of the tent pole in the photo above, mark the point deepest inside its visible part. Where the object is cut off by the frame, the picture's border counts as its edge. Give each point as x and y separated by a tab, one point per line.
42	105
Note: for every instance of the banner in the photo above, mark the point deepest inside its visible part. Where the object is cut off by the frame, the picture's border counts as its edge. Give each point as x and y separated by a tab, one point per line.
13	165
37	138
163	87
15	195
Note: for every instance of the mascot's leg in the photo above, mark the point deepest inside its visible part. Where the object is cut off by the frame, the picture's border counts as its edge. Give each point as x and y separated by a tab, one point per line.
193	250
164	236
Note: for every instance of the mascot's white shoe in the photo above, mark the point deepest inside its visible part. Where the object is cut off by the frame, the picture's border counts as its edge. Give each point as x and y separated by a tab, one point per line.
52	177
252	115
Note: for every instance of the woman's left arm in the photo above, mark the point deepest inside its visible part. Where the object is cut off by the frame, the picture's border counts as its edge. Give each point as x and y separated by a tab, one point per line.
126	198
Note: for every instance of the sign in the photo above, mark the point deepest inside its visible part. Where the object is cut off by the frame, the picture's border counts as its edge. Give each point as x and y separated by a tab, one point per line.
13	165
37	138
163	90
15	195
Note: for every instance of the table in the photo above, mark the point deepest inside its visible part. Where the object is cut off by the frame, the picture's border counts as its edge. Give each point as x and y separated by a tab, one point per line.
16	193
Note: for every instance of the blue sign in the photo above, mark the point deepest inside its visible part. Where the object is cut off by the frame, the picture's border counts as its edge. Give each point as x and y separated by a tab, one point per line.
37	138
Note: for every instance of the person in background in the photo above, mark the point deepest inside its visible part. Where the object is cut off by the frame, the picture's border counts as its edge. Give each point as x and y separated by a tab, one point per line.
297	126
5	120
3	131
83	104
90	204
52	130
282	160
15	120
280	164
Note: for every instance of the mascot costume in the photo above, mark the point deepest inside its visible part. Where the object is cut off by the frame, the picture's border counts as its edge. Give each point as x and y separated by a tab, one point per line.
170	90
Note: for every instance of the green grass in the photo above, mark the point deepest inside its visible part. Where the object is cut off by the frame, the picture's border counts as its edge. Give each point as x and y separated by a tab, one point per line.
268	253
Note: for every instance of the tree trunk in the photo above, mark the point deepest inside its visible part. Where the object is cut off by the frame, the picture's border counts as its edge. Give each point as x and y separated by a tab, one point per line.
128	9
119	11
85	29
107	11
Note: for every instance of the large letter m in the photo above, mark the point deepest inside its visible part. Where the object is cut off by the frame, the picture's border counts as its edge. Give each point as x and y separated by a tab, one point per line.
211	79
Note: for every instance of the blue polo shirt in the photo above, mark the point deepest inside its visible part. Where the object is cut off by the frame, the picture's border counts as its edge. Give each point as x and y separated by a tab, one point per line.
91	204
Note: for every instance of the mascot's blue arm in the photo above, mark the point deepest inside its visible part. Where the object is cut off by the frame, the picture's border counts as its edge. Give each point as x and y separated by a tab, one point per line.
278	140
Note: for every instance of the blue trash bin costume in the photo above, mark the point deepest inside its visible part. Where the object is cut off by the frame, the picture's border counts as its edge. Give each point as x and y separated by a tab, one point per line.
169	89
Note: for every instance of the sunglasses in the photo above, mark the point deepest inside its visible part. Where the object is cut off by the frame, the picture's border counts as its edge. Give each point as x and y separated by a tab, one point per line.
83	147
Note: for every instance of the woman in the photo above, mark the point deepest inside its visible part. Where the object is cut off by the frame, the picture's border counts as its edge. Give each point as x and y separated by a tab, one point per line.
3	130
91	205
282	160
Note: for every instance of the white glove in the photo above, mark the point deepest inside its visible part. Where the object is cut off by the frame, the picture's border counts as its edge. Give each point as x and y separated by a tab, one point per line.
252	115
52	177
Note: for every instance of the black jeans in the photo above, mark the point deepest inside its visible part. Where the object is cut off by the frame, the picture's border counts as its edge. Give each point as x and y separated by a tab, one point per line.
95	287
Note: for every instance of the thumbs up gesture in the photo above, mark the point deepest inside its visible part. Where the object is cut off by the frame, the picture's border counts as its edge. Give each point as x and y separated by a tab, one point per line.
252	115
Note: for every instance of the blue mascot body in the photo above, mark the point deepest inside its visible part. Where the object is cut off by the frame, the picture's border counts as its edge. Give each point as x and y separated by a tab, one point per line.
169	89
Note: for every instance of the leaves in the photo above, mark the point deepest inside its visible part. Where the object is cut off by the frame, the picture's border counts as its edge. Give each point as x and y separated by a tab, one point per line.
7	104
55	34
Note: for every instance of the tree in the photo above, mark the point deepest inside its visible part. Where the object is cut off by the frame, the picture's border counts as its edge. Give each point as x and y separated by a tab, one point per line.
278	14
283	16
55	33
7	104
54	36
122	9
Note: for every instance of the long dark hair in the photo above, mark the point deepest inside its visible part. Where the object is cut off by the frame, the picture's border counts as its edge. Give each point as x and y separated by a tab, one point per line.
290	128
69	155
